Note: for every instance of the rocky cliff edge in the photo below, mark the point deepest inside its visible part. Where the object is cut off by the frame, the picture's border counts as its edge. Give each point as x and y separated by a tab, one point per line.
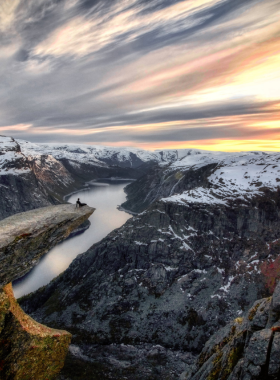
29	350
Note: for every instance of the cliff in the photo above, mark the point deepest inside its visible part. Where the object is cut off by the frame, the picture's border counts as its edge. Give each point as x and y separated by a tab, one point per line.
25	237
161	285
19	188
29	350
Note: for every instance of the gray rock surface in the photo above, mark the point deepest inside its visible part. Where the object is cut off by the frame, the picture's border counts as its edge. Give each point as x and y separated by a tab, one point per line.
25	237
243	349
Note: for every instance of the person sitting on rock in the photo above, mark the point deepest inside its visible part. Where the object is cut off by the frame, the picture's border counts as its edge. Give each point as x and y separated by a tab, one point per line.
79	204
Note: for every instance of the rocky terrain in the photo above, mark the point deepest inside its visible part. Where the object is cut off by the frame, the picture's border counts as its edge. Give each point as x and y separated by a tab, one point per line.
247	348
29	350
144	301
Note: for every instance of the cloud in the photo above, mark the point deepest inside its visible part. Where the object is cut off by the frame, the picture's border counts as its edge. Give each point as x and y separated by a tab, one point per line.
140	72
7	13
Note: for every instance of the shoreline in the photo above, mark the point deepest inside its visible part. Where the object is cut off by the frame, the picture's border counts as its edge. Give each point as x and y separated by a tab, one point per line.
75	192
87	185
120	208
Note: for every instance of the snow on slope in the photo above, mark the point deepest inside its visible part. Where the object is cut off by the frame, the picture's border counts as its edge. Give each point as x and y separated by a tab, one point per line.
12	161
97	155
237	175
76	153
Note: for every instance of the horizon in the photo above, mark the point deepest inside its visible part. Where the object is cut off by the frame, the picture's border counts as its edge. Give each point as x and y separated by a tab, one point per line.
158	74
139	148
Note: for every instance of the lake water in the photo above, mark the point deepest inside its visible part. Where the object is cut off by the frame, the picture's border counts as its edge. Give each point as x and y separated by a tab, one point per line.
105	196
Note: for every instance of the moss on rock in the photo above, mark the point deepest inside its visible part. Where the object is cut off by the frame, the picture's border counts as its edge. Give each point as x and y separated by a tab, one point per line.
28	350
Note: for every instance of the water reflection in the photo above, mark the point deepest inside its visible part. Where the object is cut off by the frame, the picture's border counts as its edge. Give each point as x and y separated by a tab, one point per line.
105	196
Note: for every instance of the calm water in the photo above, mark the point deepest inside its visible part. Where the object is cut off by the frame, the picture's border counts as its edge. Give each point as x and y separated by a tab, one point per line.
105	196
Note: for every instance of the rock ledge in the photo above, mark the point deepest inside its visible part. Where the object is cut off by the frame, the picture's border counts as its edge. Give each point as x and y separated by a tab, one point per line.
25	237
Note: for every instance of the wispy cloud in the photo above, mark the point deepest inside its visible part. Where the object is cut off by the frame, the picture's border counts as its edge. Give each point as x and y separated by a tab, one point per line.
137	72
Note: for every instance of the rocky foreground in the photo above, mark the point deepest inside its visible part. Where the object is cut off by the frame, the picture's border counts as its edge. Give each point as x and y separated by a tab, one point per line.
29	350
246	349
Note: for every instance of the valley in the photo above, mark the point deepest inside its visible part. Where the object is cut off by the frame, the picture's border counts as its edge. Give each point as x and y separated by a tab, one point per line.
200	249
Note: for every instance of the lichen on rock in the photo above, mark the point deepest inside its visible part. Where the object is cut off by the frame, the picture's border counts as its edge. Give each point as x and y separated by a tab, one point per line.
252	349
28	350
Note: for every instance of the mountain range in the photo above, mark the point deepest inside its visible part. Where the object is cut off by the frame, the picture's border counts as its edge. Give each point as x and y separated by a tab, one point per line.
148	300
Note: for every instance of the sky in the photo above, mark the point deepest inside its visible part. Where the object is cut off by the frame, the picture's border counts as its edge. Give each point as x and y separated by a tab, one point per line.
147	73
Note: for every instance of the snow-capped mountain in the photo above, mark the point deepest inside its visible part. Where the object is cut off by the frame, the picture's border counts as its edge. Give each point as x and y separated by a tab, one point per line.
207	177
30	181
235	176
12	161
98	155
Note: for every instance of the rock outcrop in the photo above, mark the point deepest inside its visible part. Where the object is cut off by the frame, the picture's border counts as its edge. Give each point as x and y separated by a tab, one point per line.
25	237
29	350
246	349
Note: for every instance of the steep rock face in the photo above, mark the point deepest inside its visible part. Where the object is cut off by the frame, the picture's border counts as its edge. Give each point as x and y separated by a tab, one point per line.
171	277
53	178
247	348
29	350
160	183
19	187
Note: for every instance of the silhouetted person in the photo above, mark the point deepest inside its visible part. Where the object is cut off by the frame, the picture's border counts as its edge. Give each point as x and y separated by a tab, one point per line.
79	204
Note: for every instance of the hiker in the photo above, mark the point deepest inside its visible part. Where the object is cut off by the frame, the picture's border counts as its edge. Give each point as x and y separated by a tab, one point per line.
79	204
